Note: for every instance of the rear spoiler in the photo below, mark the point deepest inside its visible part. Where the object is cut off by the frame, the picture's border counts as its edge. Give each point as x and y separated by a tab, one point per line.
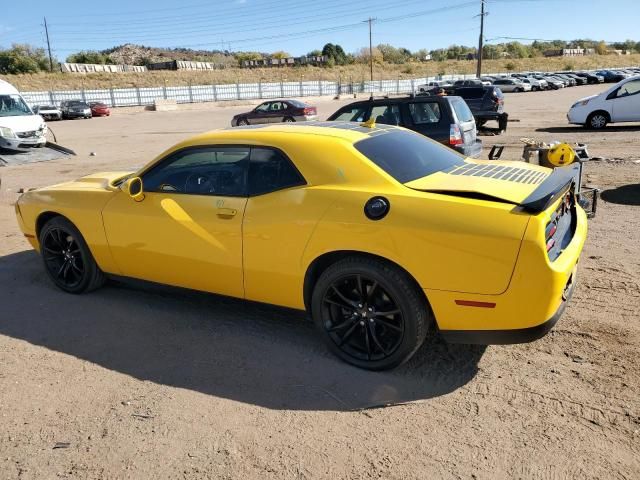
552	188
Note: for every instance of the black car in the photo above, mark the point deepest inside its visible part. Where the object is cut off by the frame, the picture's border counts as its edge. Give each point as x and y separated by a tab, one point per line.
276	111
75	109
486	103
611	76
446	119
591	78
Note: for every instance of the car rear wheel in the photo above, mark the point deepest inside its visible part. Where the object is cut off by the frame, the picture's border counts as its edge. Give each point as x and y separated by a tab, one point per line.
597	121
67	258
289	120
370	313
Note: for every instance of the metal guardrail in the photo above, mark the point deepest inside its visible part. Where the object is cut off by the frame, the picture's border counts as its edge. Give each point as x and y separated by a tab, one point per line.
142	96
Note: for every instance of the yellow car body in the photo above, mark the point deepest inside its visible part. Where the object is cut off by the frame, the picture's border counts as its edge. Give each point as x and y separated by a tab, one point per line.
468	240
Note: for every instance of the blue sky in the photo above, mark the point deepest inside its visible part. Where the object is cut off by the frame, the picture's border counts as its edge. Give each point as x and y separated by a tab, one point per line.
298	26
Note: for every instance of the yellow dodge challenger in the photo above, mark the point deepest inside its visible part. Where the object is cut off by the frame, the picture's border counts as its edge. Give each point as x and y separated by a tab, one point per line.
378	232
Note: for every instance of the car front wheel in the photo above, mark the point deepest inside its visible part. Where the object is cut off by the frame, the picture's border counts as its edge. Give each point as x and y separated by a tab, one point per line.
597	121
242	122
370	313
67	258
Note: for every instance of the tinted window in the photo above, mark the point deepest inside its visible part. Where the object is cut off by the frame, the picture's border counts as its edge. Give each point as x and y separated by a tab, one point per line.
462	111
201	171
407	156
352	114
425	112
270	170
387	114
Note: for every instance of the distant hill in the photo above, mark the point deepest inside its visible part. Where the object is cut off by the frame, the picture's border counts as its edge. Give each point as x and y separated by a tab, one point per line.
131	54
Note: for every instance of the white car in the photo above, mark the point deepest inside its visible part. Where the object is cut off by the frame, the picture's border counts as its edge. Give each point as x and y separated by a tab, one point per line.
512	85
535	83
431	85
20	128
48	112
619	103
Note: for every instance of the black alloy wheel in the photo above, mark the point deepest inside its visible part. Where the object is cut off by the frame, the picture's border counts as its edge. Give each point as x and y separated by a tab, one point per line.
370	313
67	259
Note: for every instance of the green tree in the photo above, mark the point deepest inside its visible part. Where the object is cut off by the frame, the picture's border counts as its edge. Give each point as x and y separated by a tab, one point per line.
280	54
89	56
23	58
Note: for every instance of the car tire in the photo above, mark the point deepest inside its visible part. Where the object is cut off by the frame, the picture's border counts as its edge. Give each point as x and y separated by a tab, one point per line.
597	121
67	258
242	122
534	89
370	313
289	120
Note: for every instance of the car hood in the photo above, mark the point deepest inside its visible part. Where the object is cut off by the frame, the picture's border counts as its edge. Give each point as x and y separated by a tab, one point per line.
504	181
584	99
96	181
25	123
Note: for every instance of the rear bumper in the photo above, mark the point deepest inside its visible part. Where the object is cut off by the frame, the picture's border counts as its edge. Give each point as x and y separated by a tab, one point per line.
76	115
508	337
474	150
305	118
533	302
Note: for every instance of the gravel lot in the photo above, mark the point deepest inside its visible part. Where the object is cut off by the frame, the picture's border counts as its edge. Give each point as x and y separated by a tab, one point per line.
131	382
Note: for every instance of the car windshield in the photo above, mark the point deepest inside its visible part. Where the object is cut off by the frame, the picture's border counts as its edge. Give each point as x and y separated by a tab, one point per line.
407	156
13	105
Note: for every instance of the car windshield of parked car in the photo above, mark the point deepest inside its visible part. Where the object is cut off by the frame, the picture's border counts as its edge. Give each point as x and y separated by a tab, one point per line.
13	106
407	156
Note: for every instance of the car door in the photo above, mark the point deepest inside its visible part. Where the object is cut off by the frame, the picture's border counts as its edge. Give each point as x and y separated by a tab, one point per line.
260	114
427	118
187	230
276	112
625	102
278	223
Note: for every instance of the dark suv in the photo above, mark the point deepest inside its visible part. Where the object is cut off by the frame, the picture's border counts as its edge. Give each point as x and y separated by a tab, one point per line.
446	119
486	103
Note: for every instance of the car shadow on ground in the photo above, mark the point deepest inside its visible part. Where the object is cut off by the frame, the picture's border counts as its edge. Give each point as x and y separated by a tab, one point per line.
248	352
580	128
624	195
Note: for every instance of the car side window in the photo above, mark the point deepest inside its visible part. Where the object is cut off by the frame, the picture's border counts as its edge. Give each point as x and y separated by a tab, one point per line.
425	112
270	170
386	114
201	171
629	88
276	106
353	114
264	107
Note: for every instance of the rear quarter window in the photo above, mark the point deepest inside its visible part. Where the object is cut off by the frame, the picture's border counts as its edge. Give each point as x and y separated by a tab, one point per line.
462	110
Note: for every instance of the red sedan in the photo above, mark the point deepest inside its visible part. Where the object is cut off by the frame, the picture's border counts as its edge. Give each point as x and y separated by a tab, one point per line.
99	109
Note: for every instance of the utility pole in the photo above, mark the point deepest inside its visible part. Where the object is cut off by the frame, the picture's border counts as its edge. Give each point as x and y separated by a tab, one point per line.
480	40
370	21
46	31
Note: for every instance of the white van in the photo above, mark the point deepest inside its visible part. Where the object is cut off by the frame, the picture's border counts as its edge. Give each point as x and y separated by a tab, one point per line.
20	128
619	103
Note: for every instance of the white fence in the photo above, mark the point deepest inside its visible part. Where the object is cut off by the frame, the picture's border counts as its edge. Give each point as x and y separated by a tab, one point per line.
127	97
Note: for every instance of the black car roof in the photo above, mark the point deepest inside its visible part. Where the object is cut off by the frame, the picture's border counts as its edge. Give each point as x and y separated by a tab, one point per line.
409	98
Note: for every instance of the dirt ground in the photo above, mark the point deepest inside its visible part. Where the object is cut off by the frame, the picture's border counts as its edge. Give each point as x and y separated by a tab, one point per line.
131	382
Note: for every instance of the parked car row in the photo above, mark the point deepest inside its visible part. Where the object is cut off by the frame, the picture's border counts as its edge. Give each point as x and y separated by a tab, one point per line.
70	109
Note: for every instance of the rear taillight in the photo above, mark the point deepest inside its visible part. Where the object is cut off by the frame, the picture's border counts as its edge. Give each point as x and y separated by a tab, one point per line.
309	111
455	135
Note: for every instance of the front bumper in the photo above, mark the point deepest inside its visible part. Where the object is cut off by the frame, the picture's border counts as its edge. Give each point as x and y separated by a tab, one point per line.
77	114
22	143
